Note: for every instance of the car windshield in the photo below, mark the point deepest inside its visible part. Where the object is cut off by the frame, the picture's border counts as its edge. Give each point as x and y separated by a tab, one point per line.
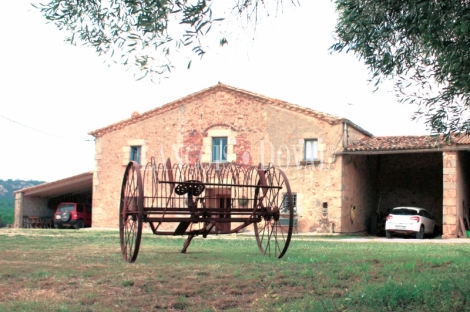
66	207
404	212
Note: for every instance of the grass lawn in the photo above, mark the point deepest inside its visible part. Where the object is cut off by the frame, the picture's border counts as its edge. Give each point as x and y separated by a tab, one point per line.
69	270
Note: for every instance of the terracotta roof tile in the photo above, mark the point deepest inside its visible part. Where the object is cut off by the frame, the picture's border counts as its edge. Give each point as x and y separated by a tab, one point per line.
393	143
463	139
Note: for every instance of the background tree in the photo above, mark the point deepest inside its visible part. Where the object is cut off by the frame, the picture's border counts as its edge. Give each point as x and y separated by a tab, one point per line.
7	198
422	45
144	33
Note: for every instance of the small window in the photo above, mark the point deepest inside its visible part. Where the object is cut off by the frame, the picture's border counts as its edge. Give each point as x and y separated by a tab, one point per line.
285	205
311	149
404	212
66	207
135	154
219	149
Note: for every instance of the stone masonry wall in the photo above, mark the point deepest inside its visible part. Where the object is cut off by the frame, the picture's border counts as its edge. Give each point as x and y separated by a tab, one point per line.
450	180
256	131
26	206
359	185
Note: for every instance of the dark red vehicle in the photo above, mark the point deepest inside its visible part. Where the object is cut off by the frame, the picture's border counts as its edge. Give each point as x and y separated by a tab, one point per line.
71	214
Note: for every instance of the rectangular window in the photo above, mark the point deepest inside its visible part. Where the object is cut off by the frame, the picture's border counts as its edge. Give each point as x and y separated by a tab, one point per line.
219	149
135	154
285	203
311	149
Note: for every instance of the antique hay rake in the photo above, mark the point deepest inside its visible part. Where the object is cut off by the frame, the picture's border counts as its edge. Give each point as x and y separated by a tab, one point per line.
202	200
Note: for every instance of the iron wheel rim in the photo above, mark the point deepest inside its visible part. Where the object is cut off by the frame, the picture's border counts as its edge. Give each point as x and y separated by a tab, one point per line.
131	212
272	238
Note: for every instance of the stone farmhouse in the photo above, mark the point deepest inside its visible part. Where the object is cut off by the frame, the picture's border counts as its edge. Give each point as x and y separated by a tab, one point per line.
339	173
252	129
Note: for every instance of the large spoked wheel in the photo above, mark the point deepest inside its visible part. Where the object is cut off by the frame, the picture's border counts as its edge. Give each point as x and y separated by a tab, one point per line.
131	212
274	203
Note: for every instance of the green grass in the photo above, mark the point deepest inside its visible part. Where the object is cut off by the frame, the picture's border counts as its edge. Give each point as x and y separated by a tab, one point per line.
67	270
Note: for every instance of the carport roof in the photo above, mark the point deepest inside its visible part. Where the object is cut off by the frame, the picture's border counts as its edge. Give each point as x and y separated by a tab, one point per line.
407	144
75	184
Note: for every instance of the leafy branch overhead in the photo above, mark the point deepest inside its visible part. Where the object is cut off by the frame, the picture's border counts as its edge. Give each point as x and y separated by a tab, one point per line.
136	31
141	33
423	46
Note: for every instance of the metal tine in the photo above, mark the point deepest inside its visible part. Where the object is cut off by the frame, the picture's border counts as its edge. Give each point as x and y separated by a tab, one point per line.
244	196
165	189
179	176
236	191
150	187
240	178
253	179
270	179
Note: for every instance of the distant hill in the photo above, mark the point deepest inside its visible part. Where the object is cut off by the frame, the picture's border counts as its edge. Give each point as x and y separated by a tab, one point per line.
7	198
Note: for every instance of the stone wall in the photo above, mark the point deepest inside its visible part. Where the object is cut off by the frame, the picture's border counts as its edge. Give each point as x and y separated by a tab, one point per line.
359	185
256	131
30	206
317	186
450	200
456	195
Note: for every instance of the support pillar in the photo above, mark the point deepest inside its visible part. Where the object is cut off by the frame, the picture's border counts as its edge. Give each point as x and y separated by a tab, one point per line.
449	204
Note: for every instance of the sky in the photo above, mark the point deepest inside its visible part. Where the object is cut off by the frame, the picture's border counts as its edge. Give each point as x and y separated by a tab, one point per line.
53	94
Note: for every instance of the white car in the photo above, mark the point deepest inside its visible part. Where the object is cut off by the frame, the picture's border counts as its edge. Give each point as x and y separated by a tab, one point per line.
409	220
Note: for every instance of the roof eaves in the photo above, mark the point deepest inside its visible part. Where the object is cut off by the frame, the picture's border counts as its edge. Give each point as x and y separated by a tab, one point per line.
172	105
156	111
77	177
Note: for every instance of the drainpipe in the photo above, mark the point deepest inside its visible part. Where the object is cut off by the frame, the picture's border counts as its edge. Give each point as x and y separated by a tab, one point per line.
345	135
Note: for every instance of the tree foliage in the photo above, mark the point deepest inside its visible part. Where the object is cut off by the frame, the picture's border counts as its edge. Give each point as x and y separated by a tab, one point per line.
7	198
422	45
141	33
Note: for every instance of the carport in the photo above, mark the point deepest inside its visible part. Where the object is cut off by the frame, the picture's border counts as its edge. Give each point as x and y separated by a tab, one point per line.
42	200
380	173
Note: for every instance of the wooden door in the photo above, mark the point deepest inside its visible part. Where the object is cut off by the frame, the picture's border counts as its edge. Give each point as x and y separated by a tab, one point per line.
224	204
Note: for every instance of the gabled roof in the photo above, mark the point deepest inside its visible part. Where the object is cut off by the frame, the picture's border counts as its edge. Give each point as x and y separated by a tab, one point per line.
331	119
403	143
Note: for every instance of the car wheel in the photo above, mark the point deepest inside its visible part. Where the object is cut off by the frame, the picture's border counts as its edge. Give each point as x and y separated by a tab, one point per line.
420	234
388	234
79	224
65	216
